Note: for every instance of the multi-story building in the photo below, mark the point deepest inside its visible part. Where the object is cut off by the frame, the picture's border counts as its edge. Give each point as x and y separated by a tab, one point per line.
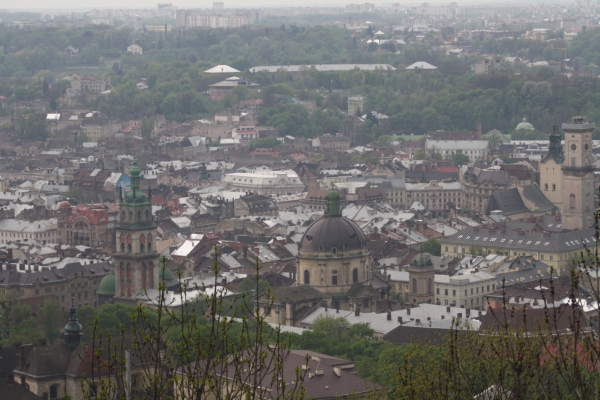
219	90
476	150
478	184
356	104
244	133
75	281
254	205
88	226
338	143
265	182
467	290
438	197
43	230
542	238
97	127
89	84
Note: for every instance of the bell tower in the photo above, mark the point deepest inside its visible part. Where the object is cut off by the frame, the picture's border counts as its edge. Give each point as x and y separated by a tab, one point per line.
578	175
136	259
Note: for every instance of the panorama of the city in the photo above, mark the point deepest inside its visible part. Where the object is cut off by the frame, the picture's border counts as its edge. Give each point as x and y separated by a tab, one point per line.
354	201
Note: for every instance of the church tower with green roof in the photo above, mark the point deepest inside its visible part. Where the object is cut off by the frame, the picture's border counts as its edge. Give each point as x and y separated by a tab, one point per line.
136	259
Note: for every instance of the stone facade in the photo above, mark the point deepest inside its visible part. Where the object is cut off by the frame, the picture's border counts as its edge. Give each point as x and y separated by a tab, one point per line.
136	259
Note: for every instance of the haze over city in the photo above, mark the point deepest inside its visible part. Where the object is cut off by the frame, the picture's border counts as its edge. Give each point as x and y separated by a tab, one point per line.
299	200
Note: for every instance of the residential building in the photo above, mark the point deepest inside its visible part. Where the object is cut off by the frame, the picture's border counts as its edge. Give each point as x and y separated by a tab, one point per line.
265	182
356	105
75	283
12	230
88	84
334	143
478	184
467	290
244	134
476	150
486	65
81	225
257	205
542	237
97	127
438	197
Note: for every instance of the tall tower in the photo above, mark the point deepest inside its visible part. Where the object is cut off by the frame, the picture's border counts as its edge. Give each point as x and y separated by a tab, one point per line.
578	174
550	167
136	259
421	276
73	329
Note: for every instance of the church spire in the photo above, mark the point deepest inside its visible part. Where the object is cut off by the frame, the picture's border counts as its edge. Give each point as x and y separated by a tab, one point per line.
73	329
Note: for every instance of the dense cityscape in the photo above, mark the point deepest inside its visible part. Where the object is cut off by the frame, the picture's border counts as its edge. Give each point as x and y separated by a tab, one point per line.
357	201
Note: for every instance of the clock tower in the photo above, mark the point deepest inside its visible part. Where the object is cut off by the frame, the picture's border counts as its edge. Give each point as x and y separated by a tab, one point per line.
578	175
136	259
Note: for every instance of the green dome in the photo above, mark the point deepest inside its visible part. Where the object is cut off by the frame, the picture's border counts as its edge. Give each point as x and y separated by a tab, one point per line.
526	126
107	285
423	260
165	274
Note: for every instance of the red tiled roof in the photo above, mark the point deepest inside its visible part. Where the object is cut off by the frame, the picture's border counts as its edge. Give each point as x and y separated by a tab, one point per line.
93	215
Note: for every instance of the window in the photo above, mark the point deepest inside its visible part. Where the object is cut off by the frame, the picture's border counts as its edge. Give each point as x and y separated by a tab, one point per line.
122	247
141	247
355	275
437	291
306	277
414	286
546	186
54	392
149	247
553	186
454	293
129	247
572	201
139	218
429	286
446	292
334	277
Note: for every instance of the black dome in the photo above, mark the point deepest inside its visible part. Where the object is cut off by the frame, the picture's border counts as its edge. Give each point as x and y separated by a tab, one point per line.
332	232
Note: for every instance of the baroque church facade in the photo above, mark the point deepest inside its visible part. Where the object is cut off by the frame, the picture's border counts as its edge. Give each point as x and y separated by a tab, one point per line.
334	270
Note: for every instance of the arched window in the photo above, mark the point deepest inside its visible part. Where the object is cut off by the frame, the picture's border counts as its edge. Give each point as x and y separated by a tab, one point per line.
414	288
149	246
572	201
141	247
334	277
546	186
355	275
122	247
147	215
130	216
149	238
429	286
306	277
123	216
129	247
139	216
554	186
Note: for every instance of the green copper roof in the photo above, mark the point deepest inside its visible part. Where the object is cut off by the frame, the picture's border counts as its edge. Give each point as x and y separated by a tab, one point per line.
165	274
107	285
135	195
525	126
332	203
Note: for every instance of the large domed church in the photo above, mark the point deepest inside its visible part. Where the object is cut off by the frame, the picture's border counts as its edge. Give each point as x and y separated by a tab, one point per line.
334	270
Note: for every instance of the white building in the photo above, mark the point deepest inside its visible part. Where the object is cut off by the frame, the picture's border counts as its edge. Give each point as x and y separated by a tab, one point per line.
474	149
467	290
135	50
265	182
13	229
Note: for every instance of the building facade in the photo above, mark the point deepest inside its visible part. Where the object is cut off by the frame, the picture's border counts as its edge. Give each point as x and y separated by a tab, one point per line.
265	182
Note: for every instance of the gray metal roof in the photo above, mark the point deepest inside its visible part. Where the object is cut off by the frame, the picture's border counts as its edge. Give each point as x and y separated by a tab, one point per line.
531	241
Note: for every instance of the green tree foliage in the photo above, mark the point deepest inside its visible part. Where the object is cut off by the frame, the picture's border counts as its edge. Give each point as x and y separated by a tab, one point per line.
32	127
331	326
432	246
460	159
147	127
49	318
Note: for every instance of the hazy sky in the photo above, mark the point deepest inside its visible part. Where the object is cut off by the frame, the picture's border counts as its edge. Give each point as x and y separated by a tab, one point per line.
61	5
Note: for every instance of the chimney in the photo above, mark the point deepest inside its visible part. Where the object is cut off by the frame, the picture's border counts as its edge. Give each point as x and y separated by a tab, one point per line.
389	315
476	228
480	313
547	234
541	218
417	322
337	310
357	312
468	313
400	320
479	130
408	311
20	352
557	217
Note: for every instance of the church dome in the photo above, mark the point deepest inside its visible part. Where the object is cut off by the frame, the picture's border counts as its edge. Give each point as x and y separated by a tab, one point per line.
526	126
165	274
64	204
107	285
332	232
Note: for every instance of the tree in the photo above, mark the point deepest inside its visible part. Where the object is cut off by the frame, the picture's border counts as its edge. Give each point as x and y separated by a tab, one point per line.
459	158
147	127
476	250
385	140
32	127
214	356
432	246
49	317
494	143
331	326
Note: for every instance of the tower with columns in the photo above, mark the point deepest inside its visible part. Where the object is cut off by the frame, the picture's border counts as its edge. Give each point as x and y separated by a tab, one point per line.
578	175
136	259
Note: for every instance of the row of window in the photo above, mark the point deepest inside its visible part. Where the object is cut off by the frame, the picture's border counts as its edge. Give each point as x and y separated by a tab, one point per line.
334	276
473	290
